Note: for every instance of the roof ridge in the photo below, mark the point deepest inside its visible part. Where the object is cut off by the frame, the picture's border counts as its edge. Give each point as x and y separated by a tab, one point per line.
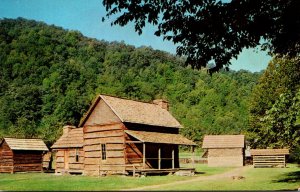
22	138
140	112
226	135
117	97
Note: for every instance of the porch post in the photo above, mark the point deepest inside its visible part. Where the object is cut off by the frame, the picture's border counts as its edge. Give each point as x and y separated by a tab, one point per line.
144	155
173	157
159	157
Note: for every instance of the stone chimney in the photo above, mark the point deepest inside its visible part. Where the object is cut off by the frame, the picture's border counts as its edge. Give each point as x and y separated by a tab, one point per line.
162	103
67	128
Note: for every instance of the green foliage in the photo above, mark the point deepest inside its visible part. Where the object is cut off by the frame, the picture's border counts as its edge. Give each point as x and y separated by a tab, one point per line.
49	77
206	30
280	122
275	106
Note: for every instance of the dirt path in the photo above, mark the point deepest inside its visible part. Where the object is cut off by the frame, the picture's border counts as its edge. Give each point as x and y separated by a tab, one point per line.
235	172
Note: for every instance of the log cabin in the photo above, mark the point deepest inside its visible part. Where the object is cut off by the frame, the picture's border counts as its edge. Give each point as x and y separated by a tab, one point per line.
224	150
68	151
127	136
21	155
269	157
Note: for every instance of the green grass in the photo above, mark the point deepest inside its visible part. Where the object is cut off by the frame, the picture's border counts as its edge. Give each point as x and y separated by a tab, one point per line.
204	170
43	181
48	182
188	154
256	179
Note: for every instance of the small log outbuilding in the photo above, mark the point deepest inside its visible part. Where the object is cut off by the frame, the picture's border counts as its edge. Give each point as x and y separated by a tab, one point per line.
68	150
127	136
21	155
269	157
224	150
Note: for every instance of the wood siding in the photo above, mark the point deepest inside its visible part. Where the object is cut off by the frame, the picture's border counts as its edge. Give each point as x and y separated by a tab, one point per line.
269	161
6	159
102	114
20	160
28	161
112	136
68	163
227	157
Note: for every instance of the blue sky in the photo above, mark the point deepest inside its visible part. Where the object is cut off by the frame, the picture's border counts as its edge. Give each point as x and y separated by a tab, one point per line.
85	16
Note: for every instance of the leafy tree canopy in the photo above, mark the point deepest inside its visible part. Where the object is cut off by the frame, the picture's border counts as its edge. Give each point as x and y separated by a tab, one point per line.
216	30
275	106
49	76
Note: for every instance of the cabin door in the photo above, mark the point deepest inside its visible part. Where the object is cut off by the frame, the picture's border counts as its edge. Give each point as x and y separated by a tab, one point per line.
66	159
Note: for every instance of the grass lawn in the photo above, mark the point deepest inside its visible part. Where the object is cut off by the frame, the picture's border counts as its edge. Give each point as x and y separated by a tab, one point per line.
48	182
256	179
188	154
204	170
43	181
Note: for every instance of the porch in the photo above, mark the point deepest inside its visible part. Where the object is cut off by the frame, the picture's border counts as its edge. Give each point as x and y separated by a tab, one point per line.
156	153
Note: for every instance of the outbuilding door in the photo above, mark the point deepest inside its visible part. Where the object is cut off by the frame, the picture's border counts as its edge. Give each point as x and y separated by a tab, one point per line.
66	159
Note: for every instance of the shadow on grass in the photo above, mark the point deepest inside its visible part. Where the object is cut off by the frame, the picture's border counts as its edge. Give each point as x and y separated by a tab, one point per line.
199	173
292	177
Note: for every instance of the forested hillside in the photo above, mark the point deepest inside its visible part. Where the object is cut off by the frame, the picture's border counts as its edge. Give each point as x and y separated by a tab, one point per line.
49	77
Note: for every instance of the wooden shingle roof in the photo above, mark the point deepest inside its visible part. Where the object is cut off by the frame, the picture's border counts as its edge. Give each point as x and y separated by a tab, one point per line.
130	111
26	144
223	141
73	139
269	152
155	137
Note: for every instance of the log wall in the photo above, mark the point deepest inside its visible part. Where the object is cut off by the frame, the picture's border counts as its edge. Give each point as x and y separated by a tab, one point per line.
134	155
28	161
71	165
47	160
227	157
112	135
6	159
269	161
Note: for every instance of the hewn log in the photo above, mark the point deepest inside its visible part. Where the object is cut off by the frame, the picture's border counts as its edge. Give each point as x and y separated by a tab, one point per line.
92	154
99	128
92	161
73	166
103	134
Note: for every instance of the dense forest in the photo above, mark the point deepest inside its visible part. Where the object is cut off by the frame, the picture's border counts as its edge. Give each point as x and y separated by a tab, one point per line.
49	77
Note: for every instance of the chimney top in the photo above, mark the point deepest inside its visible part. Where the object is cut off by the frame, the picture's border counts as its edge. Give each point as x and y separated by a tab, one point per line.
162	103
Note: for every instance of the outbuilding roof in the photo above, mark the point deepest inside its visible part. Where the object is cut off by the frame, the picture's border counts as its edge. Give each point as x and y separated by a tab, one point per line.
155	137
223	141
73	139
269	152
130	111
26	144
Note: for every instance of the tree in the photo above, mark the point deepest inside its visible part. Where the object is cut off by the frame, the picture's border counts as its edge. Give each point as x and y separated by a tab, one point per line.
274	106
49	77
281	128
206	30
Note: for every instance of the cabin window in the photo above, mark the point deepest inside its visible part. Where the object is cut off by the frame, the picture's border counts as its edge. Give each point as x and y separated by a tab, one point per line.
76	155
103	151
